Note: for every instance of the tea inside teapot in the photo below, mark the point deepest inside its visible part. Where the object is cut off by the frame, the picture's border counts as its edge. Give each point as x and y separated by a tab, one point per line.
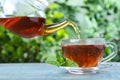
24	26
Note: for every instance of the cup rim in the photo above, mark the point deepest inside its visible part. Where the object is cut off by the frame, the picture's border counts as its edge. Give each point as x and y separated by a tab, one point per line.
77	39
83	39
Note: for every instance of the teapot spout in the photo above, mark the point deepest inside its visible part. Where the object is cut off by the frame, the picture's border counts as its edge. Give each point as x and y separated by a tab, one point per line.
55	27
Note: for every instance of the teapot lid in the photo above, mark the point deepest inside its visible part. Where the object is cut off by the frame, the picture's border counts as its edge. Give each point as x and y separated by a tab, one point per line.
23	7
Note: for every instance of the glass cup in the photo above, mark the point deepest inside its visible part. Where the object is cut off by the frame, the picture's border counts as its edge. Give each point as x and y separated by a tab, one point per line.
87	54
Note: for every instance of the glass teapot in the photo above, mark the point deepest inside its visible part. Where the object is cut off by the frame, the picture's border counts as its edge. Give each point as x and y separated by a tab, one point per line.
26	18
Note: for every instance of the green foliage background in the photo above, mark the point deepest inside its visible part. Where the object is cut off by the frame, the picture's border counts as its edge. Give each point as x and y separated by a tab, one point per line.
95	18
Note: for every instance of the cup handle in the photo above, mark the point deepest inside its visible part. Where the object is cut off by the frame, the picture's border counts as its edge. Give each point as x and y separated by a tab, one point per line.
112	54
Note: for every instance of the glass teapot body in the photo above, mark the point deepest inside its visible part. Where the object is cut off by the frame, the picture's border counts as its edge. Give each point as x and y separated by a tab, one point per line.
30	8
26	18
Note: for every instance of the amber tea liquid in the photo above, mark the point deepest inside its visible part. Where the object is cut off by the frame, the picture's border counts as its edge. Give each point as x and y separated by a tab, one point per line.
84	55
24	26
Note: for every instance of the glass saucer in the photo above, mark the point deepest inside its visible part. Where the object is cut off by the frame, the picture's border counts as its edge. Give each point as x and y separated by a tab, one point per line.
92	70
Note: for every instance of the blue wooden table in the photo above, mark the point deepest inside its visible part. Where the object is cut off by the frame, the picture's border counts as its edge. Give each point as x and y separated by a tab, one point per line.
42	71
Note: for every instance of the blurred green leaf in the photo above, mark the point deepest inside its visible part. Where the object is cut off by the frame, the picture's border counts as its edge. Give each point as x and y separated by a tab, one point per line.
58	14
54	6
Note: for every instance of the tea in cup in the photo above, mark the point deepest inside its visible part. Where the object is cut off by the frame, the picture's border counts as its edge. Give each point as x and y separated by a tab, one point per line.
87	53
